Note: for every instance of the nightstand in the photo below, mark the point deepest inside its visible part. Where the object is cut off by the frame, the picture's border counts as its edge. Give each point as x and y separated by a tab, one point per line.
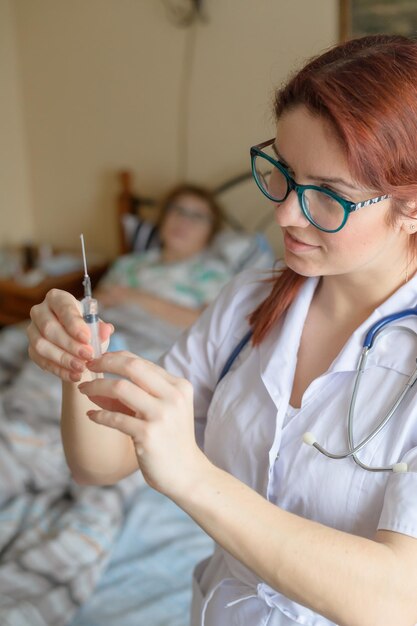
16	299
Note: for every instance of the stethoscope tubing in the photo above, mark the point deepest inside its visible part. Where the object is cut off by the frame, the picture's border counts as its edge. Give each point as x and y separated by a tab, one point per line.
380	324
370	339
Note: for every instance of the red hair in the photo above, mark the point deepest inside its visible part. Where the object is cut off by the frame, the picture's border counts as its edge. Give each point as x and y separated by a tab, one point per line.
367	89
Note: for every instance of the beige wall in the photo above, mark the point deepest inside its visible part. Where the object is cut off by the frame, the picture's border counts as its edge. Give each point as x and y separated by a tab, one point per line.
103	86
16	222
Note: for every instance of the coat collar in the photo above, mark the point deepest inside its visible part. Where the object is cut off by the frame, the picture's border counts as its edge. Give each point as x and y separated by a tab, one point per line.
278	354
387	353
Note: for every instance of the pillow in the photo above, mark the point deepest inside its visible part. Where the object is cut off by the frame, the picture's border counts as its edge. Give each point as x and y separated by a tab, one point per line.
243	250
237	250
141	234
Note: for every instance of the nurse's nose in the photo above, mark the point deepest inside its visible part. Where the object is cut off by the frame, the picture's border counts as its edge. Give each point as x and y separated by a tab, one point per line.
289	212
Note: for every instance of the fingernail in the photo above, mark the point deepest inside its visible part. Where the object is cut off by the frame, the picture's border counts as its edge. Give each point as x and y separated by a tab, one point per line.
85	354
92	363
77	365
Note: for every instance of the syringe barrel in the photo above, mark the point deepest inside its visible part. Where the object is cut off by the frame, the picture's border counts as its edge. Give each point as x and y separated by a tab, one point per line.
90	315
90	309
87	286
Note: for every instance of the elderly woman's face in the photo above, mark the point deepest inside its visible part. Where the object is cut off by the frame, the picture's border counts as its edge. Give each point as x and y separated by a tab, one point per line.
187	227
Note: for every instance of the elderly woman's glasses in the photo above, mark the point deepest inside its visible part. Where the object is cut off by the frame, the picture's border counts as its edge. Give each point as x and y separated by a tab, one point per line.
193	216
323	208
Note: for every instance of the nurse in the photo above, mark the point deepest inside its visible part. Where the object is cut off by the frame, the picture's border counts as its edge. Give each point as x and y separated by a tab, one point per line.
301	539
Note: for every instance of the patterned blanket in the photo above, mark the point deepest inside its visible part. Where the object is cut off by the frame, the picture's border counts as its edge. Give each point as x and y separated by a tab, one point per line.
55	536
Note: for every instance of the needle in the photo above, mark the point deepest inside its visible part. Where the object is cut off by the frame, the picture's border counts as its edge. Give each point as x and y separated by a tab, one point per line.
90	307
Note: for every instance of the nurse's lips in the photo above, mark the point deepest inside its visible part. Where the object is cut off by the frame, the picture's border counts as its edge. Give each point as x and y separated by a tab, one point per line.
294	244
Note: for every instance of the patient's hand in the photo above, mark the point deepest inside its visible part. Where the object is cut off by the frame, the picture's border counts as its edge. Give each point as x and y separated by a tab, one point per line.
113	295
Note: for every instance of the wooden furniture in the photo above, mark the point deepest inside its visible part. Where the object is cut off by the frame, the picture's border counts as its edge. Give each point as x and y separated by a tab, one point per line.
345	18
130	203
16	299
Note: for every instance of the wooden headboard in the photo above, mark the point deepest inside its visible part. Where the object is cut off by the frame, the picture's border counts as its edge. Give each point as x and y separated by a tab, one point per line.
246	209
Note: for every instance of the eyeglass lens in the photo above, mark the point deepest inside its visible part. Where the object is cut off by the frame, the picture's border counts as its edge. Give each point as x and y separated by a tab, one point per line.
193	216
320	208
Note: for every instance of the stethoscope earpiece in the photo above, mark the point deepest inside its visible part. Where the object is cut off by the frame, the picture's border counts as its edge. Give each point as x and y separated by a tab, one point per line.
400	468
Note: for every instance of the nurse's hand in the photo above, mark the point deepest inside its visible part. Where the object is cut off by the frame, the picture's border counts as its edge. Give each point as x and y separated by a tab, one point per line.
59	337
155	409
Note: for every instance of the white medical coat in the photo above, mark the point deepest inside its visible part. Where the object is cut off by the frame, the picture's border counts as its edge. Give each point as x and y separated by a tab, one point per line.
250	431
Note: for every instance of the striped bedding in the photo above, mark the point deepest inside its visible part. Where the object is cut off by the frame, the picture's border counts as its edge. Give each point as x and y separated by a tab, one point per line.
84	556
55	536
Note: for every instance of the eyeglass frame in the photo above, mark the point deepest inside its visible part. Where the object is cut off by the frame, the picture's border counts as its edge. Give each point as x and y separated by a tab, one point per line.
193	216
347	205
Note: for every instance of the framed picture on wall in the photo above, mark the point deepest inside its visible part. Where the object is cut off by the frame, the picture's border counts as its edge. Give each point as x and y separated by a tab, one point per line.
367	17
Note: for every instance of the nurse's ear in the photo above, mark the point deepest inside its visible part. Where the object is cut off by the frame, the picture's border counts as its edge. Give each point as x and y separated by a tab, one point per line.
410	222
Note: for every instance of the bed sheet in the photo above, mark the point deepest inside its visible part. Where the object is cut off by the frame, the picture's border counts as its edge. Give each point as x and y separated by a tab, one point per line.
55	536
148	579
125	552
139	332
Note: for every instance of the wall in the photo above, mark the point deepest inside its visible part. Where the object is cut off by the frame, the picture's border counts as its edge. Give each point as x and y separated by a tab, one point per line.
16	222
108	84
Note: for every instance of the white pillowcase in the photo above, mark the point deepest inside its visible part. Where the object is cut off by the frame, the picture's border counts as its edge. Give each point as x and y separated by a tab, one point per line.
237	250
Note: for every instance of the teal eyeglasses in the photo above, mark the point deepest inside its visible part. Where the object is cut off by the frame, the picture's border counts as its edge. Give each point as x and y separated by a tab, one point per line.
323	208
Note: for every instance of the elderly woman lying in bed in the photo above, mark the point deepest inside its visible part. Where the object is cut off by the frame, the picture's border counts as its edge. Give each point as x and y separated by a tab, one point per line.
151	296
178	279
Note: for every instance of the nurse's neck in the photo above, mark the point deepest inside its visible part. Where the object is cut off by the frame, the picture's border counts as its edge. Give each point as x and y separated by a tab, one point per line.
358	295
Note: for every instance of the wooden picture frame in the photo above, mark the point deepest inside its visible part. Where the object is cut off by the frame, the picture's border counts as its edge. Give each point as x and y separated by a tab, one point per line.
345	20
367	17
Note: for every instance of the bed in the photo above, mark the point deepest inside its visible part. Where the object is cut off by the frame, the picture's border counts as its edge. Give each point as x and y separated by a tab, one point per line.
96	556
249	216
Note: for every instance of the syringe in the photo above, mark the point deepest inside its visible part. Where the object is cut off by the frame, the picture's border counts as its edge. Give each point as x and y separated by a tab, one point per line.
90	307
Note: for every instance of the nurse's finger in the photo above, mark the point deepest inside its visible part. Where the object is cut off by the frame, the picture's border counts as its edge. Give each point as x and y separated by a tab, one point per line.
54	368
124	392
50	357
137	364
55	329
46	326
110	404
149	376
68	311
131	426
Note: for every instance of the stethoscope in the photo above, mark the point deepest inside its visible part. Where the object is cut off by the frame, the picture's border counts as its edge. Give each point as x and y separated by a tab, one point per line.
372	336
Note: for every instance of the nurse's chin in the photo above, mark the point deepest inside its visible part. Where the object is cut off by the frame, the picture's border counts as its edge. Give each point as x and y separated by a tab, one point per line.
302	266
